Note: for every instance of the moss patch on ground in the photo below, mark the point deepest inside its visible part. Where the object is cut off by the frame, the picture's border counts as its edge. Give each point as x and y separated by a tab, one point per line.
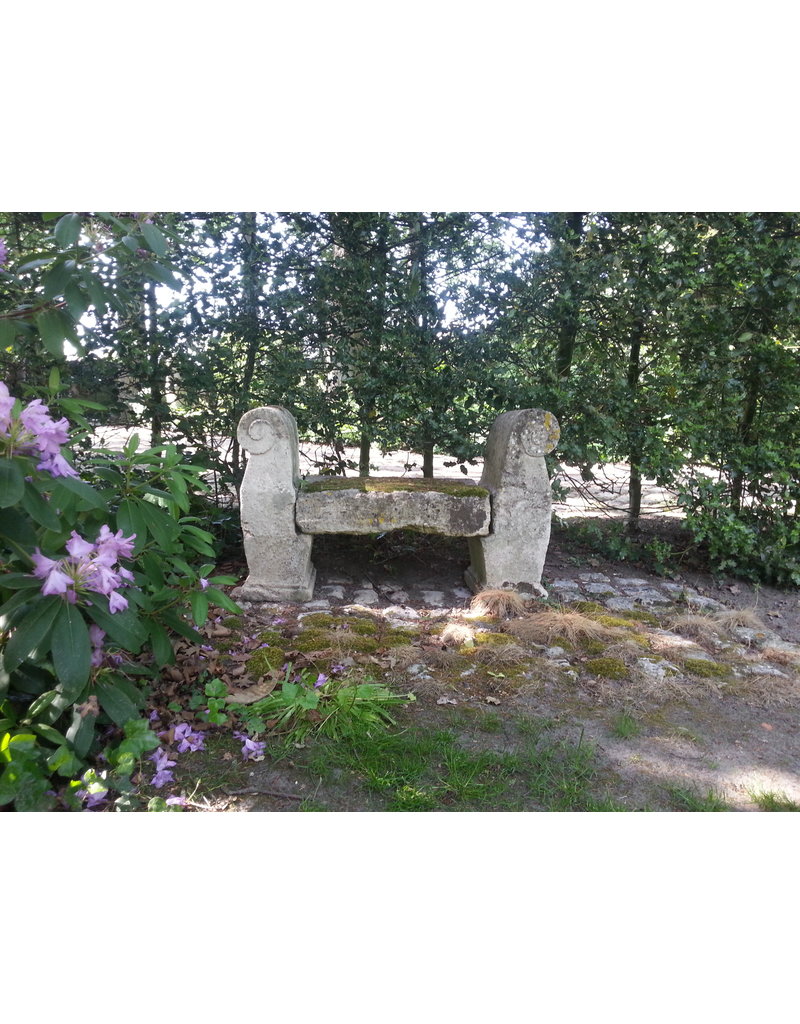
331	637
705	669
608	668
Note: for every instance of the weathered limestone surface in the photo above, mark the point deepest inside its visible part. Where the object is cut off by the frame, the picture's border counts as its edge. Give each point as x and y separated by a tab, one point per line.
354	511
515	474
507	520
278	557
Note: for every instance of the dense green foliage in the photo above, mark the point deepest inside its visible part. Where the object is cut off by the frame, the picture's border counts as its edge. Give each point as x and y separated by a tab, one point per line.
100	554
668	341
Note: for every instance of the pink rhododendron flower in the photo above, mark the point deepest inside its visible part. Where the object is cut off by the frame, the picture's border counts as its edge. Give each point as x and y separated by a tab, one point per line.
163	764
188	740
116	602
33	430
90	568
3	252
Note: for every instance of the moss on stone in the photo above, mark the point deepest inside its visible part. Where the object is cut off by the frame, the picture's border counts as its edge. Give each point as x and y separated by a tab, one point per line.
705	669
608	668
590	608
319	619
639	615
591	646
387	484
486	637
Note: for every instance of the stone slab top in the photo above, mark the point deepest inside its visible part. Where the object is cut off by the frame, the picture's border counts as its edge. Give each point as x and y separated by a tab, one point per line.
458	487
376	509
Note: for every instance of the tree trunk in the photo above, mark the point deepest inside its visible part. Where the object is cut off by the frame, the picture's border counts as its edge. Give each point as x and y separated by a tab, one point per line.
249	334
749	410
635	454
568	328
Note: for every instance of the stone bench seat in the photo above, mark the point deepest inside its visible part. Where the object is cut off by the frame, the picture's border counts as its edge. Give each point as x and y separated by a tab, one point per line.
455	508
506	517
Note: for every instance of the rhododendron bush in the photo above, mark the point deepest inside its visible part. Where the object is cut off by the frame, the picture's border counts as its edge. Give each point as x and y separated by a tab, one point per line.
98	569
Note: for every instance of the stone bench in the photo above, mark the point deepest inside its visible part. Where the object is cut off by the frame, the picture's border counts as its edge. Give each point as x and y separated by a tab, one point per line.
506	516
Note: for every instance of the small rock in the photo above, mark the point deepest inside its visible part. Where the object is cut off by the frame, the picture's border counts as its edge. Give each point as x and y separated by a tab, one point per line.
631	581
759	637
564	585
398	596
600	588
657	670
365	597
764	670
593	577
433	597
620	604
320	604
396	612
653	597
698	601
678	589
334	593
554	652
462	594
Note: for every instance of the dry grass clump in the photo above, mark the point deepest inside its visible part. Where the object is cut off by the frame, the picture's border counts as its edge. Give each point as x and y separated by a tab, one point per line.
694	624
736	618
456	634
546	626
501	654
781	656
766	691
404	655
503	604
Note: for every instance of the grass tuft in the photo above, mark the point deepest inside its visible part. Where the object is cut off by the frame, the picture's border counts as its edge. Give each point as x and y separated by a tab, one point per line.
502	604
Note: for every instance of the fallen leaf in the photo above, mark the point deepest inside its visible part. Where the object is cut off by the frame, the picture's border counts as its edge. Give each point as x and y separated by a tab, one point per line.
767	726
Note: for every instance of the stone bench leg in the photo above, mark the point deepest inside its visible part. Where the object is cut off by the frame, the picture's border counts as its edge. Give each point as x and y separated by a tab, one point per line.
278	557
514	473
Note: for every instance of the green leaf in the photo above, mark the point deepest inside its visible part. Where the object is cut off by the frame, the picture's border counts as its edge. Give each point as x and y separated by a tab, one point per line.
116	704
77	301
159	273
219	598
8	333
160	524
55	281
12	482
131	521
68	230
81	732
32	633
41	703
71	651
155	240
40	510
199	603
50	734
64	762
52	332
87	494
162	648
97	293
54	380
124	628
180	626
